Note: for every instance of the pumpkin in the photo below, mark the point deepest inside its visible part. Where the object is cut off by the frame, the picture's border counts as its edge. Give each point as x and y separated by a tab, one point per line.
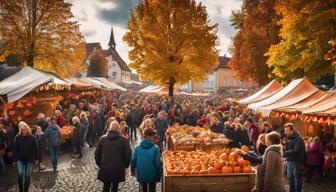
245	148
203	172
237	169
227	169
218	165
247	169
233	156
233	163
241	162
212	170
224	157
198	167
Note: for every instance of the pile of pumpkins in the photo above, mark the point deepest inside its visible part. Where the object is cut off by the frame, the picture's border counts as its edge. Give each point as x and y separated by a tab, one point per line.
224	161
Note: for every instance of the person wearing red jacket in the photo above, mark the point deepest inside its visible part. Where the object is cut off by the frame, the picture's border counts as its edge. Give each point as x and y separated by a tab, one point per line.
254	129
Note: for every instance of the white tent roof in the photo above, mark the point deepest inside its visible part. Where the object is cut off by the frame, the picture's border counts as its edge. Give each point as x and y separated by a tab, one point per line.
266	92
295	92
151	89
96	83
111	84
22	82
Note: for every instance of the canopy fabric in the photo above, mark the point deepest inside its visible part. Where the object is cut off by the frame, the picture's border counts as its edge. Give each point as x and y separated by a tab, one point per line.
111	84
97	83
136	82
77	82
326	106
293	93
151	89
22	82
57	80
266	92
306	103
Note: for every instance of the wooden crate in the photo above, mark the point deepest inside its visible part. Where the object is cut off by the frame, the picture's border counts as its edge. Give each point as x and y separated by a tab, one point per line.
239	182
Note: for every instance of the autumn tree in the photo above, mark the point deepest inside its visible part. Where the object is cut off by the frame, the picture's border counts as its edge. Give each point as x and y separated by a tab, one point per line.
97	65
306	29
42	34
172	41
257	27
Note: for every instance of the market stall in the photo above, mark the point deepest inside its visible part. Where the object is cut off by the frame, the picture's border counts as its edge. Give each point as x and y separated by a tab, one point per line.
194	138
293	93
220	170
266	92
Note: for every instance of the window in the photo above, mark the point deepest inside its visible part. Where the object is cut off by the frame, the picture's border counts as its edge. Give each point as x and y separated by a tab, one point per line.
226	82
114	74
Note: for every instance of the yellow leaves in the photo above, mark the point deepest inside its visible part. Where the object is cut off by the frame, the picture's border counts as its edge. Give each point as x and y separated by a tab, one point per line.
3	56
171	39
307	26
53	39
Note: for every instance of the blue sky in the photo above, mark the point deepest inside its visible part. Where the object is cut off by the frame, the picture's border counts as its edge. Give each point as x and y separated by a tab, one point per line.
96	18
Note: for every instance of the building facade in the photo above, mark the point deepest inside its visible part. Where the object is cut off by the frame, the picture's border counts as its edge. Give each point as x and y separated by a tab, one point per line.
118	70
221	79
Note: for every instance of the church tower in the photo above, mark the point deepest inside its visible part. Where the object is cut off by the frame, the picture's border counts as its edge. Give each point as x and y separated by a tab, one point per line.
111	43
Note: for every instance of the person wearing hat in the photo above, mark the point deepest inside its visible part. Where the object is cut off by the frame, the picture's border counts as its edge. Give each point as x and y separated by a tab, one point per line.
146	162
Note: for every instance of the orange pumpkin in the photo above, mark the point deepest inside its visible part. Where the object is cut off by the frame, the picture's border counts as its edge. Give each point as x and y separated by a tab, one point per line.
245	148
233	163
218	165
247	169
212	170
241	162
227	169
224	157
198	167
237	169
233	156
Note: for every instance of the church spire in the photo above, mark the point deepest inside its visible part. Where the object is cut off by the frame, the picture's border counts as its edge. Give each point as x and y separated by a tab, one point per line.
112	43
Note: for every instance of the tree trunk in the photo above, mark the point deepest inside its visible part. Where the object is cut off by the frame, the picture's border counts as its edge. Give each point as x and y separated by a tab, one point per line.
171	84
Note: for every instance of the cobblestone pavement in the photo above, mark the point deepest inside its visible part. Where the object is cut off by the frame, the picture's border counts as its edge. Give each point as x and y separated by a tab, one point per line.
80	175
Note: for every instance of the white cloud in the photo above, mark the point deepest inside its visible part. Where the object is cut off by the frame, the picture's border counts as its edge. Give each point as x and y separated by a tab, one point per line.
96	29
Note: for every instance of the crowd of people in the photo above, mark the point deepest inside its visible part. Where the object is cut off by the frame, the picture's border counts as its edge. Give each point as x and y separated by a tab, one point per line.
113	122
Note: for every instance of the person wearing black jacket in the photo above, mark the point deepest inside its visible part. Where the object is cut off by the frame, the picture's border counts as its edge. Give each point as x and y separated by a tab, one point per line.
76	137
25	153
242	135
3	146
216	126
42	122
294	153
112	156
231	135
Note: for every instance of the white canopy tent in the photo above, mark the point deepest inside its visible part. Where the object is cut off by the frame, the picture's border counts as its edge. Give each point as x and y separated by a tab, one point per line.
151	89
266	92
294	92
111	84
22	82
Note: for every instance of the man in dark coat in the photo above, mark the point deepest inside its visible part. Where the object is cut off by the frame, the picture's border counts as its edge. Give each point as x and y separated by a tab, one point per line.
294	153
42	122
112	156
76	137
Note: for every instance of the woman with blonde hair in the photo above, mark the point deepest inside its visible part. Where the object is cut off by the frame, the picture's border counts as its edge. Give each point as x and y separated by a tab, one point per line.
124	129
25	153
85	123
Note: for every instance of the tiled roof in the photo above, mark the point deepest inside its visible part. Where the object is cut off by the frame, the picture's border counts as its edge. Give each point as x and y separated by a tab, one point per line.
117	58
